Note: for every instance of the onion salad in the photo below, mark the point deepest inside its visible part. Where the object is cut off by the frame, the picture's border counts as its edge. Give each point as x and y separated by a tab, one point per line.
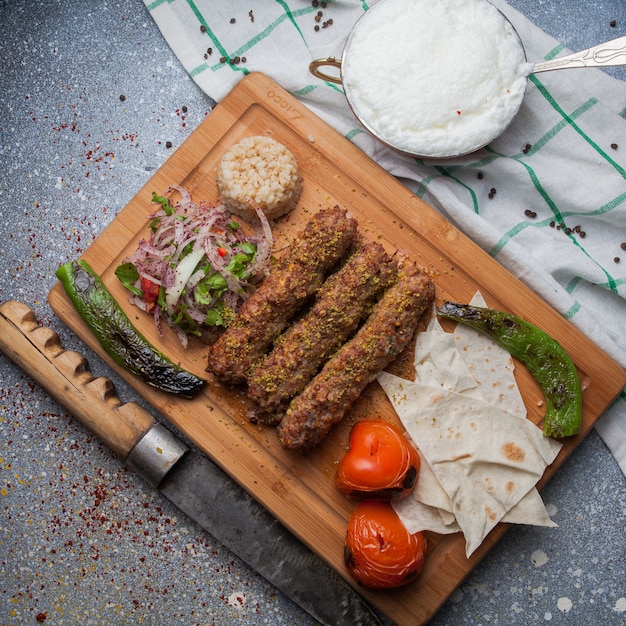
198	266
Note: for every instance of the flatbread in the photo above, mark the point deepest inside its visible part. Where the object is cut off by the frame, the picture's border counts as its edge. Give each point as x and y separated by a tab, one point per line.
481	457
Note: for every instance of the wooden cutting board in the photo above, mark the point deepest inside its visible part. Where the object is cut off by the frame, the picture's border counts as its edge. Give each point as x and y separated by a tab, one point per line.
299	488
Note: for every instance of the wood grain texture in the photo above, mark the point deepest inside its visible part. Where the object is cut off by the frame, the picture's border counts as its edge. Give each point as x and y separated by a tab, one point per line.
65	375
299	489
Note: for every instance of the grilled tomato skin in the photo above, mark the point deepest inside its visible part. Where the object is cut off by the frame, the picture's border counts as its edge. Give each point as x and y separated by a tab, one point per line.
379	551
380	463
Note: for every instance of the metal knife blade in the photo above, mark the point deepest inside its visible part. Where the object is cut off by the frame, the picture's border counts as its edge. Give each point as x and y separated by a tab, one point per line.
186	477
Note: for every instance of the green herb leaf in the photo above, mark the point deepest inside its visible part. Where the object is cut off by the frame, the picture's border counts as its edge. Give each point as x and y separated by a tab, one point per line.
214	318
163	201
128	275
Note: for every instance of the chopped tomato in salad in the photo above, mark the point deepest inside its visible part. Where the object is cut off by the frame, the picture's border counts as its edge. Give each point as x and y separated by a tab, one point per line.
198	266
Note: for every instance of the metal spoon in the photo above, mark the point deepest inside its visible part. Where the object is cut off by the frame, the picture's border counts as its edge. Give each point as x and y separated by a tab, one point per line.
605	54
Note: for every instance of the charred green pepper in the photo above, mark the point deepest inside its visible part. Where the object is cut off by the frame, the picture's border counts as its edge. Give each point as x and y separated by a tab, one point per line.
544	357
117	335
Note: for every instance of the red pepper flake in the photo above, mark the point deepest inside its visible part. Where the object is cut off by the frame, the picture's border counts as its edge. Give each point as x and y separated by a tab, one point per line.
222	252
41	617
458	112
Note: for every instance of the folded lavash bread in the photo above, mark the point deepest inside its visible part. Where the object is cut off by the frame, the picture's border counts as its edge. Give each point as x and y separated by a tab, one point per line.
481	457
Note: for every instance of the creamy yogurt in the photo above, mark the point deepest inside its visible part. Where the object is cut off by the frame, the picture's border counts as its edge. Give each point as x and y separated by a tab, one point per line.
434	78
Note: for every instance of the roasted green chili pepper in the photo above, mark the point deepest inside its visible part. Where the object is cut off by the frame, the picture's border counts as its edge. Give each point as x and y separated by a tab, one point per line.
544	357
117	335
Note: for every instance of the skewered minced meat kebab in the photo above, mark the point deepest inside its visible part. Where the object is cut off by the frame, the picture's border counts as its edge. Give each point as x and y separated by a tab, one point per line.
330	395
299	274
342	302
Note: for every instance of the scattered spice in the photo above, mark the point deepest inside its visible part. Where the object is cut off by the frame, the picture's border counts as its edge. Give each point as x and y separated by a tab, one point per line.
168	144
122	97
613	23
614	146
623	245
492	192
583	234
202	28
527	148
530	213
232	20
318	16
616	259
480	175
251	15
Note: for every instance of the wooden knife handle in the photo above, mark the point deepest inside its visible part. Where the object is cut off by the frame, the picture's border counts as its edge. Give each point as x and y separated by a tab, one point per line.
66	377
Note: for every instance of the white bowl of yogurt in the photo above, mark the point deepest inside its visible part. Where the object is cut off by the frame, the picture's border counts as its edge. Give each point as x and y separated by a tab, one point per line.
432	78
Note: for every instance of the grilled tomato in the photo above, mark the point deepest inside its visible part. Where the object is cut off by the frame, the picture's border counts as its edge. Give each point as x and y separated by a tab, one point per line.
380	463
379	551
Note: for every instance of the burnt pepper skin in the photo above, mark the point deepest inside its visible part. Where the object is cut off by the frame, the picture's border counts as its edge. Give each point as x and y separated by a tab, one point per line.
117	335
544	357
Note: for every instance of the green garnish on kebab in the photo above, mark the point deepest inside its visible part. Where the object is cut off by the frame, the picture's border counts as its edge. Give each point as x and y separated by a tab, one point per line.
117	335
544	357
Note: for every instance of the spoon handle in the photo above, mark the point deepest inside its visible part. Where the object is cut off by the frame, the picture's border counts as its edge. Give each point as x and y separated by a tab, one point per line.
603	55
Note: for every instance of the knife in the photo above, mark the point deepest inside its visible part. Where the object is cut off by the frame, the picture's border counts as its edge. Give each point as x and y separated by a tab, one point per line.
186	477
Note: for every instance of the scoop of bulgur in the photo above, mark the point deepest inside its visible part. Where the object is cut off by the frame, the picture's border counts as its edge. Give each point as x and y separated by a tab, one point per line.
259	171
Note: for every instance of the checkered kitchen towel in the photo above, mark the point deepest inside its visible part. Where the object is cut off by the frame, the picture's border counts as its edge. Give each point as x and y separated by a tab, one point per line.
558	217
